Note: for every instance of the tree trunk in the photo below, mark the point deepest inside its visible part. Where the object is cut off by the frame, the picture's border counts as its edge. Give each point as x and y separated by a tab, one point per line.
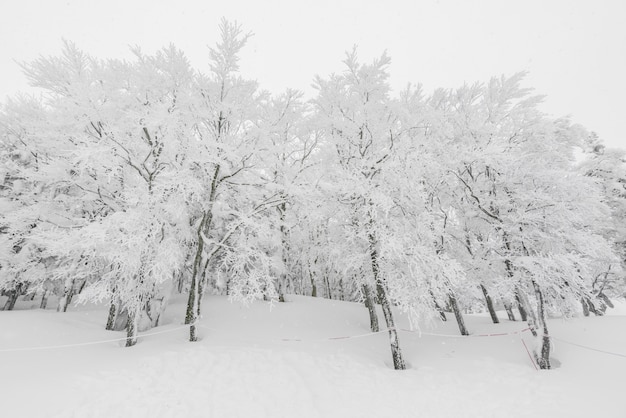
298	287
371	307
82	286
606	302
180	282
543	358
68	293
520	306
112	313
13	296
342	295
509	311
282	279
442	313
131	329
154	308
592	308
492	311
194	301
202	282
526	311
396	353
585	305
190	315
280	291
44	300
457	314
313	287
328	291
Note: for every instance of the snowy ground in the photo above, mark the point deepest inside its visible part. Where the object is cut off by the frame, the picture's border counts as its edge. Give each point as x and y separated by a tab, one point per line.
243	367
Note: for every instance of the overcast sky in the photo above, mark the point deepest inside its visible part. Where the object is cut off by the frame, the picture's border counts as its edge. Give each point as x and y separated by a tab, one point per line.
575	51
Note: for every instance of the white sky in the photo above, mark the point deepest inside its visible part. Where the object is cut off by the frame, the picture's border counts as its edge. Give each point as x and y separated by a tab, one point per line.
574	50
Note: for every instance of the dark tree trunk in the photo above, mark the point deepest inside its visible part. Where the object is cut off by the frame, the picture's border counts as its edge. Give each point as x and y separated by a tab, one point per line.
329	293
281	293
283	278
396	353
342	295
543	358
193	301
202	283
457	314
44	300
592	307
190	315
313	287
298	284
605	299
371	307
180	282
442	313
195	292
299	288
489	302
13	296
154	307
531	318
189	312
521	306
509	311
112	313
66	299
585	305
82	286
131	329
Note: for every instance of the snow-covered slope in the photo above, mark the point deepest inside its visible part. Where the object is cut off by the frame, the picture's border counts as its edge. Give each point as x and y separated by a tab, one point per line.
281	362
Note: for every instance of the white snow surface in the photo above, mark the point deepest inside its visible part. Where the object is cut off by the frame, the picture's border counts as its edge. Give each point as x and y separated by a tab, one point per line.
244	367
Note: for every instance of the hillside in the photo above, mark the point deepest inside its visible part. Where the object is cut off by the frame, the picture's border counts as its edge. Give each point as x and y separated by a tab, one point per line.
282	362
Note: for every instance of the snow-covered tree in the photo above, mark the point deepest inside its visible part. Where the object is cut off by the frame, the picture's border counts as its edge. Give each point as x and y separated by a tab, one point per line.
524	209
380	197
226	117
107	159
287	158
608	168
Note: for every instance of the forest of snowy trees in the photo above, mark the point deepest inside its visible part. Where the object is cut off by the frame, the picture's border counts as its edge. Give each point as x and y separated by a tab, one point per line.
129	181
